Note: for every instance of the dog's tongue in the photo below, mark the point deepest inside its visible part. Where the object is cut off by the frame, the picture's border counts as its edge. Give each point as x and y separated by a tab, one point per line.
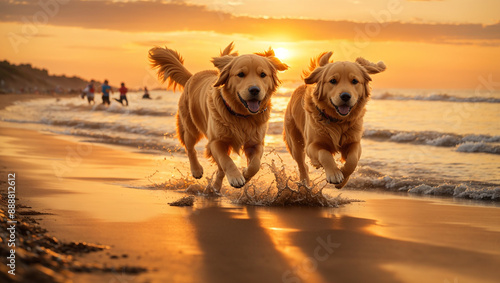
253	105
344	109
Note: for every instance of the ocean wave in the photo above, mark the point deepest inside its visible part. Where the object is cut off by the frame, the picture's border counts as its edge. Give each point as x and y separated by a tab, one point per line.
478	147
367	178
140	111
19	121
100	127
462	143
143	110
435	97
141	143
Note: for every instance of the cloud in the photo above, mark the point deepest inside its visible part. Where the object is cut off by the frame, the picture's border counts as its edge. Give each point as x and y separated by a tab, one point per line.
157	16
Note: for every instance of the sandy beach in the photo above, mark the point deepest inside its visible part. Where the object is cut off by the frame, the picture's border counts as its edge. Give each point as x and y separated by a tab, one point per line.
79	187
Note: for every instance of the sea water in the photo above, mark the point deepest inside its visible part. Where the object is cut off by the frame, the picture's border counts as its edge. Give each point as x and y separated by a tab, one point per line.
431	142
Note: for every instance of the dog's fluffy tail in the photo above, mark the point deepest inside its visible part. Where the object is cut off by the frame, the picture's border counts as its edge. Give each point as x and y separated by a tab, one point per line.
170	66
229	50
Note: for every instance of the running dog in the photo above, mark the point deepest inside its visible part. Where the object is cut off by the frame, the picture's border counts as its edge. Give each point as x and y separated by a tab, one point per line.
230	107
325	116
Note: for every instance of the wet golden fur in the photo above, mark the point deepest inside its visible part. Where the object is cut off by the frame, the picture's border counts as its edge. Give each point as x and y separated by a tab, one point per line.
315	126
237	126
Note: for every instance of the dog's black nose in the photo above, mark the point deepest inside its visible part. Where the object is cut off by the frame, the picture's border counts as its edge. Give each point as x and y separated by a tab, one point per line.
254	90
345	96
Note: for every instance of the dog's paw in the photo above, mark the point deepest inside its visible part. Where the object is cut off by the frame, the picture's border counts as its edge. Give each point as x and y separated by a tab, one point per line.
197	172
236	180
335	178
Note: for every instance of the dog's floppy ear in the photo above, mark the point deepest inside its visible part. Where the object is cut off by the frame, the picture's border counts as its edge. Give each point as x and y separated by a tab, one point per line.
367	68
324	58
275	65
222	63
370	67
316	68
269	54
315	76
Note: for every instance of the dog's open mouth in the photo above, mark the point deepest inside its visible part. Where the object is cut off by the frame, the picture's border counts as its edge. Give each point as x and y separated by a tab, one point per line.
343	110
252	105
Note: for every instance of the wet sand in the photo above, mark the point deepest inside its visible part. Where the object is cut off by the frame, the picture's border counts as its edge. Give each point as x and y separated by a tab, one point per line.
95	193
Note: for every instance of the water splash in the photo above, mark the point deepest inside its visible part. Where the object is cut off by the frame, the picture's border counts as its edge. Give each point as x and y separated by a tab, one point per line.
286	190
187	184
274	186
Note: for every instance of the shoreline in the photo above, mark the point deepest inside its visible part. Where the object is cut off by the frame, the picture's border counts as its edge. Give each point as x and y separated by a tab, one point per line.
103	198
8	99
483	187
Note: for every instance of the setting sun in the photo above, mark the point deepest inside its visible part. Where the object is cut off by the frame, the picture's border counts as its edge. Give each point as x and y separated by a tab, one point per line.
282	53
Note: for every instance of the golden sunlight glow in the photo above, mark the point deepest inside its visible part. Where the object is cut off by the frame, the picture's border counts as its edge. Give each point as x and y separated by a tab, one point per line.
282	53
119	52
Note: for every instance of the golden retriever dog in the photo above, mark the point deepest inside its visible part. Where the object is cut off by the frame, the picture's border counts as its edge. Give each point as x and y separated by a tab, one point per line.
230	107
325	116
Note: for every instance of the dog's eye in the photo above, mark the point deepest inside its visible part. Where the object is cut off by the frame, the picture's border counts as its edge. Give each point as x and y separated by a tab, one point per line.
263	75
355	82
333	81
241	74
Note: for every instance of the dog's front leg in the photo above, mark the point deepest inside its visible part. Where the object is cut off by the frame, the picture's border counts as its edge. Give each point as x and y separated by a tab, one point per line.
351	155
219	150
254	155
324	157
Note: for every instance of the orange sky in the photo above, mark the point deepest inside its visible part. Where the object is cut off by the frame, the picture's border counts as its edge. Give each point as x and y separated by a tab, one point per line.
425	44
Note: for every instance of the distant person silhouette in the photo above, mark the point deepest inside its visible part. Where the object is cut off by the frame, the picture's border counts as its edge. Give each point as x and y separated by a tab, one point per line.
123	94
105	89
146	94
89	92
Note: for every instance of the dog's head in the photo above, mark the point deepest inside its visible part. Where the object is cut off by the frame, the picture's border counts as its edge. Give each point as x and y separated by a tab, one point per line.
248	81
341	86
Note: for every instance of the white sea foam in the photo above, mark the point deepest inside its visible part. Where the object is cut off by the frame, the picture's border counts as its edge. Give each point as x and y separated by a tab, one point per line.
444	140
463	143
478	147
403	137
366	178
434	97
458	191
